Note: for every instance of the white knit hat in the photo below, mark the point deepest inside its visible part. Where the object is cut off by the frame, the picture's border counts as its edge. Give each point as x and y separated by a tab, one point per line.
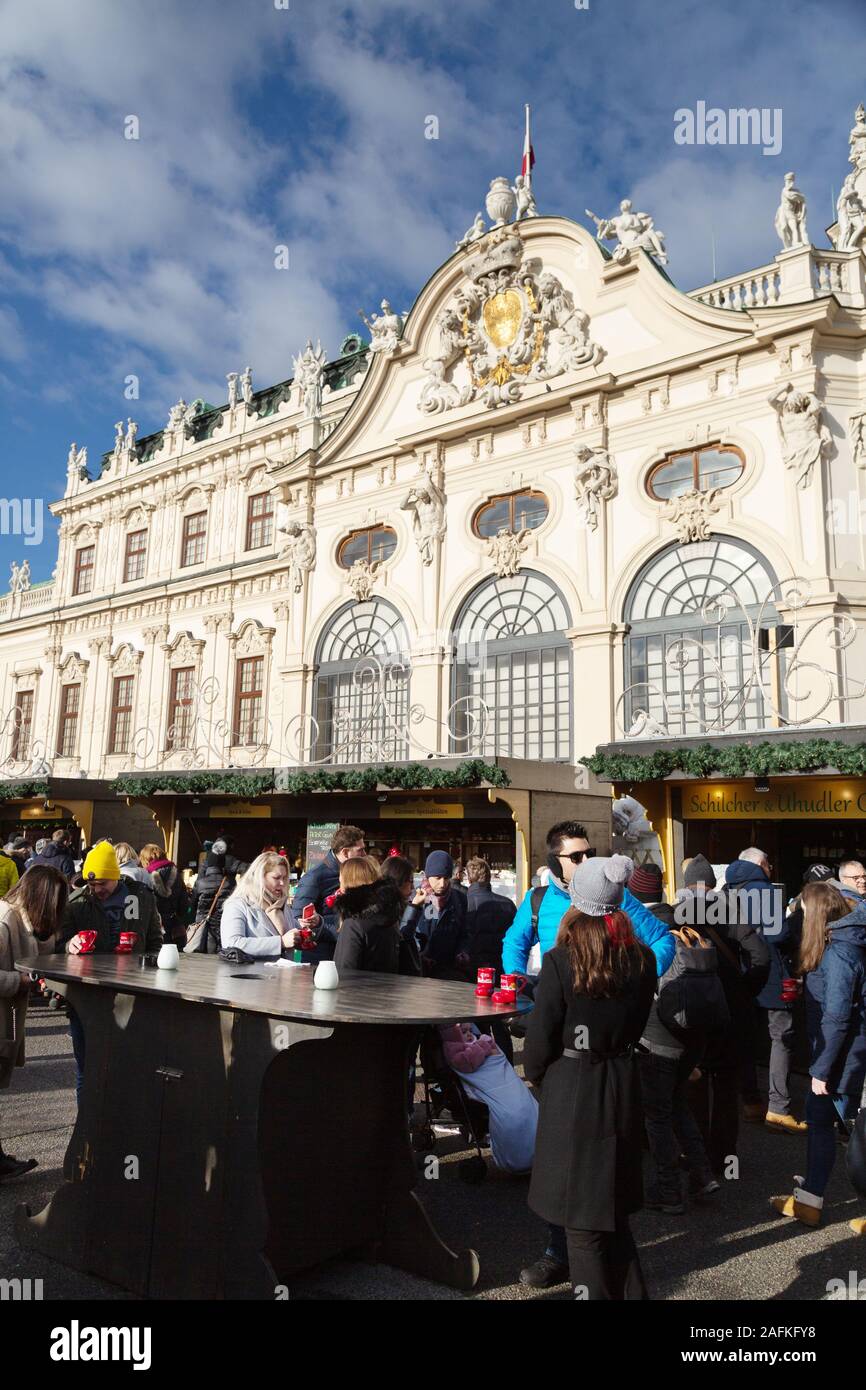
597	884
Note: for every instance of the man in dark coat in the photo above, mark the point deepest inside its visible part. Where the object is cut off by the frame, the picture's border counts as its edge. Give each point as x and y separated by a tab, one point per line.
488	917
443	925
725	919
57	853
318	888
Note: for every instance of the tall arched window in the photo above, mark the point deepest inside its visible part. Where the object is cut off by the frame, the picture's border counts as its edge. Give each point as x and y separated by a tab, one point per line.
700	652
362	685
512	670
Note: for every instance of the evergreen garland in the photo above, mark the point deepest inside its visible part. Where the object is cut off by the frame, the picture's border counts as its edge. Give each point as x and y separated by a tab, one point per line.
405	777
11	791
739	760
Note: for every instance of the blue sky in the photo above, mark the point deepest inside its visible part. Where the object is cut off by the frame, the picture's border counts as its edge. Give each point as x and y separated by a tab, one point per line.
306	127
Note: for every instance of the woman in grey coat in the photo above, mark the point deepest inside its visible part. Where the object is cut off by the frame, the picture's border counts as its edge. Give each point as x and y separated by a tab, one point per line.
256	918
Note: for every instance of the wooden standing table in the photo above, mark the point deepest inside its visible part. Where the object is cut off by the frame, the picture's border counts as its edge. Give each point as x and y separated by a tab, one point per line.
238	1126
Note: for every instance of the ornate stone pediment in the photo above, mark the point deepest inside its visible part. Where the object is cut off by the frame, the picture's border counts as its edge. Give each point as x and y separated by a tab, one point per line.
73	669
251	639
126	660
185	650
510	324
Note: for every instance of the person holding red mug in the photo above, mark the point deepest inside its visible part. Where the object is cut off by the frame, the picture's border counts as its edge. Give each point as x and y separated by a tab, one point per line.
108	914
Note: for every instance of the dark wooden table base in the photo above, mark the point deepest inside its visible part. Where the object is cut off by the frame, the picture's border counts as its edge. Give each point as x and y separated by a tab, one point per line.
217	1153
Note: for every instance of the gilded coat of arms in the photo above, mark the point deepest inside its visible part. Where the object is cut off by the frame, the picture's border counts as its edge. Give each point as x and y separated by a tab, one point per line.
511	323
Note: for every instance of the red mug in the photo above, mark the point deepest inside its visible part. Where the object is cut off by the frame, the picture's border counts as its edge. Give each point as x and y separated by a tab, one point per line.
86	942
512	982
126	942
306	941
790	991
504	996
486	981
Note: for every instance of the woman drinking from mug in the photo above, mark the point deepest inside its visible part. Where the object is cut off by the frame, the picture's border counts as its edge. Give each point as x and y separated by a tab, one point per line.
591	1004
833	960
29	920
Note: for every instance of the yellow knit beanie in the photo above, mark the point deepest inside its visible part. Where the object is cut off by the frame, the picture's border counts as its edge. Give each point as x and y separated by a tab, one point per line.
101	862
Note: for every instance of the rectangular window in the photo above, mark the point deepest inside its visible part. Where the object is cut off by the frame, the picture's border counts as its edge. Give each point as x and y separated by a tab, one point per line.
248	701
121	714
193	542
260	521
180	704
23	716
67	732
136	553
82	581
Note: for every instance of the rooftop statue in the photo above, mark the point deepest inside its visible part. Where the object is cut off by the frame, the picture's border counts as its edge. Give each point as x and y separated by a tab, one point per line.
247	387
525	199
232	379
791	216
851	212
385	328
635	231
309	370
474	233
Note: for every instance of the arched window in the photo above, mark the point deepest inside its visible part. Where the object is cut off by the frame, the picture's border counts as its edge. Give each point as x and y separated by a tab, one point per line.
512	670
372	544
695	470
362	685
513	511
700	652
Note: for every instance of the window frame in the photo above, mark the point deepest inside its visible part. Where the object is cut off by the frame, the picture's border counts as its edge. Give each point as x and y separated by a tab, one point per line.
718	448
267	518
244	698
68	717
116	710
510	498
178	703
369	532
80	570
129	554
186	539
21	740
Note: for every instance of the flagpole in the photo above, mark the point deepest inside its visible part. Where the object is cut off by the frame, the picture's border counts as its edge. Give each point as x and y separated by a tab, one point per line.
527	148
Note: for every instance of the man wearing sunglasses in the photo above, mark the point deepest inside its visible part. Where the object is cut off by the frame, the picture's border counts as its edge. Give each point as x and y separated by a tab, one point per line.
568	846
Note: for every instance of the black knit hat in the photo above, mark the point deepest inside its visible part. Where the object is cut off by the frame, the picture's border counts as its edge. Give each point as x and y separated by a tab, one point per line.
699	870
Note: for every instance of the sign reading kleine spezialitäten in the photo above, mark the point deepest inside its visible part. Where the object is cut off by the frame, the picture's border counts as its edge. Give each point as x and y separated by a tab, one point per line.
795	798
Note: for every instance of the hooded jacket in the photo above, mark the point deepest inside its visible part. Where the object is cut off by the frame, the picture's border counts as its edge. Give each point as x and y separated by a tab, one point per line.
369	937
172	899
836	1007
58	856
215	883
758	907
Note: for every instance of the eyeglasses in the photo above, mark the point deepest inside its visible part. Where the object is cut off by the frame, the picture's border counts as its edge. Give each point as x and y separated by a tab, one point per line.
578	856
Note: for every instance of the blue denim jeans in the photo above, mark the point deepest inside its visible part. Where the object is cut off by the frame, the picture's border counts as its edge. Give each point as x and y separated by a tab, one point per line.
76	1032
821	1142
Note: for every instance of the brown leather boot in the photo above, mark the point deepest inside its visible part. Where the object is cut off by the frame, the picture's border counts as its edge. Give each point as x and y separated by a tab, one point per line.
785	1124
803	1206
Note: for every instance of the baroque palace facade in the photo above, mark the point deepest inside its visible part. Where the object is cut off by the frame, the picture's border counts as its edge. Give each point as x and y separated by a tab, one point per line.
563	508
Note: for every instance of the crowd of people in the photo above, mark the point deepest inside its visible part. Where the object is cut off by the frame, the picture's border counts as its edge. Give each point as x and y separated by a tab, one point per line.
644	1030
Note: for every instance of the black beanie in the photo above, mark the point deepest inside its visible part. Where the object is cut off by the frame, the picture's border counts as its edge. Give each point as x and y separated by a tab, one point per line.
699	870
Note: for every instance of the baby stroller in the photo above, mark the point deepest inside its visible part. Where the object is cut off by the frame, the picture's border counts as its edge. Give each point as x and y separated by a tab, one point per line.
443	1091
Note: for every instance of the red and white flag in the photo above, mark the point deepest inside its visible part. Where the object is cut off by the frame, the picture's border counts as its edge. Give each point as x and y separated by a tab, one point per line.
528	153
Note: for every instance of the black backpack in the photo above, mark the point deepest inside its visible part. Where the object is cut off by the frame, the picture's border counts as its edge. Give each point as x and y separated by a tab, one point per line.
691	997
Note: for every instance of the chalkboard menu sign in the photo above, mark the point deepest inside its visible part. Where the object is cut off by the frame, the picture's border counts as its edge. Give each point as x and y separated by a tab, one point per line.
319	841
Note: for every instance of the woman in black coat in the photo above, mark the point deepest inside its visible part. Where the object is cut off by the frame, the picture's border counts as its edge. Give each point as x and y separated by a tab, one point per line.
591	1004
216	881
370	909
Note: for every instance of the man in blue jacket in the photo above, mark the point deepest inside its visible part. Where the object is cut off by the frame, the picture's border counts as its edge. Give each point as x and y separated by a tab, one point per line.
568	846
321	882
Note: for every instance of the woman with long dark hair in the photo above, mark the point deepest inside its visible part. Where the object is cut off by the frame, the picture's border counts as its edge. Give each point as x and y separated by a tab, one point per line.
29	920
833	961
591	1004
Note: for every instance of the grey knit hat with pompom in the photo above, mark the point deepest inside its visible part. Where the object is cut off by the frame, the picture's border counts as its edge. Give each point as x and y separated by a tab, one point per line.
597	885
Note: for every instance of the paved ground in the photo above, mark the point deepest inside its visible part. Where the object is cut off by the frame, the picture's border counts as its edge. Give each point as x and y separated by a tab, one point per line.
733	1248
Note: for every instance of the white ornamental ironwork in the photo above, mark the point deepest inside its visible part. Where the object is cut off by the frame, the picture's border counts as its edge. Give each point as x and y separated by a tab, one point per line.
715	704
198	738
379	725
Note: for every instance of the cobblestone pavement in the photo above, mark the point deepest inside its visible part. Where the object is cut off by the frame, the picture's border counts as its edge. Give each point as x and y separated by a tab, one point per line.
732	1247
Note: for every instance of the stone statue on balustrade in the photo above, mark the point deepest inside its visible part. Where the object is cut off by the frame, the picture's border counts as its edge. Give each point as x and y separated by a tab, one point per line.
76	465
247	388
309	373
804	439
851	214
426	501
117	452
473	233
385	328
791	216
232	379
130	447
635	231
19	581
525	199
299	551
